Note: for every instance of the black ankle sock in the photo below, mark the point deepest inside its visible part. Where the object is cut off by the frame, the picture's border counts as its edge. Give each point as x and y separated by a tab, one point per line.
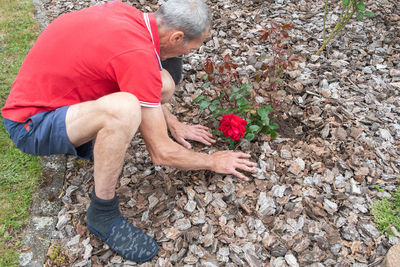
101	213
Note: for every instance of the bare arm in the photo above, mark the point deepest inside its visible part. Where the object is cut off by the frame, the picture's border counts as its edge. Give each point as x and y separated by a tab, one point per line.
165	151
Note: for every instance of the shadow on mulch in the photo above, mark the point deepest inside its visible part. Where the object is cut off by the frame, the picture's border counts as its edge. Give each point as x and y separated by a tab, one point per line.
288	126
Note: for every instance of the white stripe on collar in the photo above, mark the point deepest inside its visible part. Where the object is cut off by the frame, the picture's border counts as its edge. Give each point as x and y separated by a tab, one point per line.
147	21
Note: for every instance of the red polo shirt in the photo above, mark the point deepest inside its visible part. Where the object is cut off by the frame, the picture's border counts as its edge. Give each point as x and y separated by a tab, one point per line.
84	55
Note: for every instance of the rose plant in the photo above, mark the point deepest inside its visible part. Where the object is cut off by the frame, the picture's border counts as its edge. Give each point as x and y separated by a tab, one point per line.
231	101
272	66
234	106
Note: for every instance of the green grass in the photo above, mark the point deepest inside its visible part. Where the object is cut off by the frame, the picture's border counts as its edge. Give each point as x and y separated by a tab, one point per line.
19	173
386	213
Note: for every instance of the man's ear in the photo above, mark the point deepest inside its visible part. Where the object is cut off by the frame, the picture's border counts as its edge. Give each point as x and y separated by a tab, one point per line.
176	37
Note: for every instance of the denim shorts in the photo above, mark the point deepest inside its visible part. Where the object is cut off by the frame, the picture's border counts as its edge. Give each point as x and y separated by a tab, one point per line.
45	134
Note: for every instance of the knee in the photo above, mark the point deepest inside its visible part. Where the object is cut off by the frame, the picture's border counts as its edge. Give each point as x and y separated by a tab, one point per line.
168	88
123	111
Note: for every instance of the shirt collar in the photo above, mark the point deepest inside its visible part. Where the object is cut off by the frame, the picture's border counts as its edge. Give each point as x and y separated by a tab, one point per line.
154	31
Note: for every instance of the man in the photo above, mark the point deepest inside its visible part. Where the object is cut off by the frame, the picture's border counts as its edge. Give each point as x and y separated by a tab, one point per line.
96	74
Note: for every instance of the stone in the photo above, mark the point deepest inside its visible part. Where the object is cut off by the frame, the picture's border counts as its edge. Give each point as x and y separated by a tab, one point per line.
172	233
190	206
386	135
392	258
208	240
394	72
74	241
266	205
370	230
191	259
341	133
363	171
297	166
241	231
330	206
350	233
278	190
251	258
25	258
223	254
198	218
291	260
285	154
354	188
183	224
153	201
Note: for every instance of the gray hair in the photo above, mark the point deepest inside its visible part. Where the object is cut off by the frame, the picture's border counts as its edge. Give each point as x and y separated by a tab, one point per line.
193	17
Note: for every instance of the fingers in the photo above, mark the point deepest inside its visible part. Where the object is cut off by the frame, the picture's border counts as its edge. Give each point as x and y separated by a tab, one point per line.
202	127
247	163
247	168
184	143
241	176
200	134
205	140
242	155
238	154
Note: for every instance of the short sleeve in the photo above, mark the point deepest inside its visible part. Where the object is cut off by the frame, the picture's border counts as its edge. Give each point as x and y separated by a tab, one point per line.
137	72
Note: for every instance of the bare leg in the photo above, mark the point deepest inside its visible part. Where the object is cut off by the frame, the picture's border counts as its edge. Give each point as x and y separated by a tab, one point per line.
112	120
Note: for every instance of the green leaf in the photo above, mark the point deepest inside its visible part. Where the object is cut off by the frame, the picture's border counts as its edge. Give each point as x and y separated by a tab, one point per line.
197	99
233	96
369	14
217	113
266	120
272	134
274	126
245	87
204	104
231	143
345	2
216	132
212	107
247	106
360	15
216	102
254	128
241	101
204	77
249	136
235	89
206	85
268	108
361	6
262	113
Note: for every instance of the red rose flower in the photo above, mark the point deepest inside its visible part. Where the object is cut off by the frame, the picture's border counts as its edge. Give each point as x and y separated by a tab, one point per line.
232	126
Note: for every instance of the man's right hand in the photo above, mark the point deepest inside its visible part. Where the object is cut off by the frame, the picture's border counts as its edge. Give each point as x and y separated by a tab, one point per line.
226	162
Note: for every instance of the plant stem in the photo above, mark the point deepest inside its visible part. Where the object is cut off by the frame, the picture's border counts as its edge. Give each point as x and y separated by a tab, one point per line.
347	18
342	21
325	15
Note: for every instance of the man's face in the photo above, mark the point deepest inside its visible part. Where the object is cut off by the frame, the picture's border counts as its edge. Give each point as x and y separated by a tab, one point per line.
183	48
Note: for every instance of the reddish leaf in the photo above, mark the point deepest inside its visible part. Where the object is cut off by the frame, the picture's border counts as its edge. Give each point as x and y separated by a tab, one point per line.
209	66
287	26
264	36
227	57
221	69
